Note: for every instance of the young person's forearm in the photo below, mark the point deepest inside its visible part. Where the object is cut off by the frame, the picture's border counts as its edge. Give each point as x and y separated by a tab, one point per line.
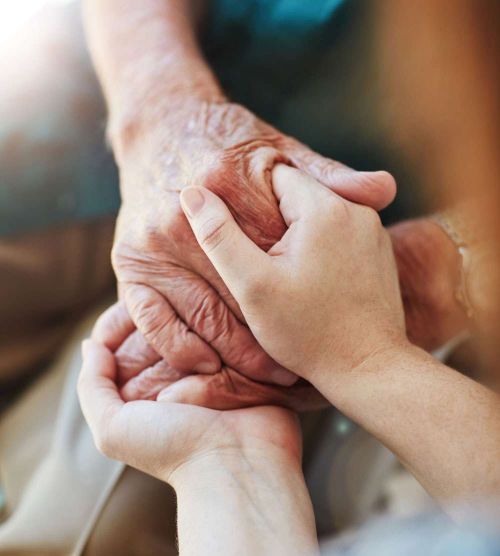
146	55
442	425
244	506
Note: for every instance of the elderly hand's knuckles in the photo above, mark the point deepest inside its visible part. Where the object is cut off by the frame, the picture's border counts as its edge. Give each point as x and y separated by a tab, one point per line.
255	209
132	262
209	316
149	318
230	123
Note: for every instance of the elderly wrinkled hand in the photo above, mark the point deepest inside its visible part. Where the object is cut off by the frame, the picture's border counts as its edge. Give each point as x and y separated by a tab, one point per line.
141	373
172	292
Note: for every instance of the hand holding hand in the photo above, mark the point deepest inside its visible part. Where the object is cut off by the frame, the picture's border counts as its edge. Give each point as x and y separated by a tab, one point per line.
142	374
161	438
326	296
171	290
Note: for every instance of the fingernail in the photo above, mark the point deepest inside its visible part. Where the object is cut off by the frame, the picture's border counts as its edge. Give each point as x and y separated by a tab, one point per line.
206	368
192	200
85	347
283	377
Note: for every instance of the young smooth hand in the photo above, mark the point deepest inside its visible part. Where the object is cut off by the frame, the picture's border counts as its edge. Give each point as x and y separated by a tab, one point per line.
326	296
237	474
161	437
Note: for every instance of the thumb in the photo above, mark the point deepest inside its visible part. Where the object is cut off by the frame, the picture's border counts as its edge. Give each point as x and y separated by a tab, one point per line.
235	257
373	189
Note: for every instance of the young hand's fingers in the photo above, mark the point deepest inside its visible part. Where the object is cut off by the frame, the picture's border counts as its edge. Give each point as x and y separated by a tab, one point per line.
97	389
299	195
235	257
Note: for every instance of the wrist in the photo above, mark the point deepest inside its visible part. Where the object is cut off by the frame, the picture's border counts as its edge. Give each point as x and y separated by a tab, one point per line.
152	115
245	503
334	383
429	268
352	392
244	466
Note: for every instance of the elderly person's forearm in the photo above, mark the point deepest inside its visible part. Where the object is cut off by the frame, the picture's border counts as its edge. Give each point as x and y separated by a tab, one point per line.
146	54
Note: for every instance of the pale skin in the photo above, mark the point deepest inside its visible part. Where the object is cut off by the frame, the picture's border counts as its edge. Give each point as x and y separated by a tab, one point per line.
171	126
330	319
237	474
325	303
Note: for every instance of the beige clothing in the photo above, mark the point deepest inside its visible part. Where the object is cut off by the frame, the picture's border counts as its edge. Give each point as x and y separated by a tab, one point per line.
47	280
58	486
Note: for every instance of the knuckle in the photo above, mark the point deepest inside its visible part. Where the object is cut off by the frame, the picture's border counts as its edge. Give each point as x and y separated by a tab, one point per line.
143	385
209	317
335	207
180	349
213	233
153	327
371	217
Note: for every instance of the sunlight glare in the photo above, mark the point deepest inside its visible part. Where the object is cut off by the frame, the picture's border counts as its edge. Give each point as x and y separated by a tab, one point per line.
14	13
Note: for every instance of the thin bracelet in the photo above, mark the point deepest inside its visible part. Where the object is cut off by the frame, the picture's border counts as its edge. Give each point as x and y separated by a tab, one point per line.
442	219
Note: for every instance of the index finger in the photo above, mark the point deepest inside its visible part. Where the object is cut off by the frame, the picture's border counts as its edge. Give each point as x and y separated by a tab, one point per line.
298	194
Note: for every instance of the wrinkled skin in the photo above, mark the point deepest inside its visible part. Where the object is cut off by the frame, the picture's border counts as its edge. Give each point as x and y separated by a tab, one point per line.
162	438
143	374
428	270
172	292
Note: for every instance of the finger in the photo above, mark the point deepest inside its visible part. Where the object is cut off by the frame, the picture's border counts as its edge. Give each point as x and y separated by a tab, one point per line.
147	384
299	195
97	390
373	189
202	309
230	390
166	333
133	356
235	257
242	265
113	326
